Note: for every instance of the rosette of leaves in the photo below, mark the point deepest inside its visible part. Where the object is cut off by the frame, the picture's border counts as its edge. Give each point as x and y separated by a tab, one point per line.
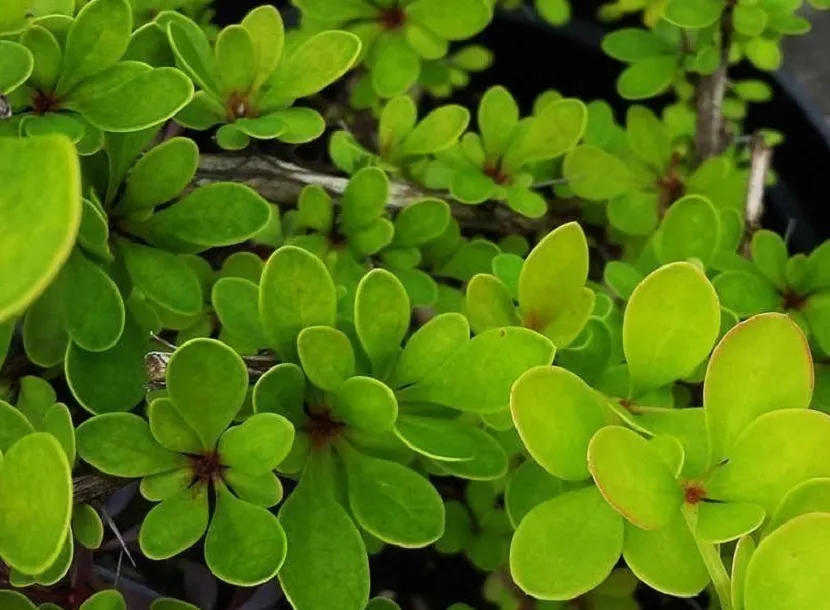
773	281
758	27
361	402
251	78
38	410
644	179
363	222
554	404
80	86
33	248
35	495
189	450
399	35
109	599
403	141
499	163
549	287
134	269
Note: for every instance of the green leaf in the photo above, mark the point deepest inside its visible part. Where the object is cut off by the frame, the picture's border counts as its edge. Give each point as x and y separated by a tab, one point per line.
774	453
236	59
163	277
176	524
160	175
632	44
281	390
667	559
395	65
783	568
221	214
382	314
811	496
526	202
761	365
16	65
391	501
87	526
634	478
35	503
444	440
301	124
245	544
765	54
635	213
170	429
746	294
171	604
489	304
566	546
112	380
121	444
549	134
326	566
436	132
556	414
366	404
235	301
265	27
146	100
694	14
105	600
671	323
597	175
47	54
261	489
15	601
489	460
453	21
421	222
558	265
478	376
722	522
430	347
648	137
192	50
163	486
740	562
382	603
327	356
397	120
32	249
528	487
498	116
296	292
57	421
258	445
749	20
690	229
98	38
207	382
472	186
365	198
314	65
647	77
94	316
769	253
13	426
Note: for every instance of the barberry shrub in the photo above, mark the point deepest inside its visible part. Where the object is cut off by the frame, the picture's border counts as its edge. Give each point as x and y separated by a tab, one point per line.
552	344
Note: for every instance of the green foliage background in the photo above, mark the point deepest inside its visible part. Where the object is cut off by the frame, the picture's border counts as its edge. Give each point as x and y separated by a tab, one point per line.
424	350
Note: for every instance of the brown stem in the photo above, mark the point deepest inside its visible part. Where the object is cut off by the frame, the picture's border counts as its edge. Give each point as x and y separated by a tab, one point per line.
281	182
92	487
710	137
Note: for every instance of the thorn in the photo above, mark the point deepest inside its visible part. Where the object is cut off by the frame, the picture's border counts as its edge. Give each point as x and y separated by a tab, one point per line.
117	533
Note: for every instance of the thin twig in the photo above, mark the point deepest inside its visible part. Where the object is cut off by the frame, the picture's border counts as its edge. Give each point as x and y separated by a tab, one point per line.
761	158
92	487
281	182
710	136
